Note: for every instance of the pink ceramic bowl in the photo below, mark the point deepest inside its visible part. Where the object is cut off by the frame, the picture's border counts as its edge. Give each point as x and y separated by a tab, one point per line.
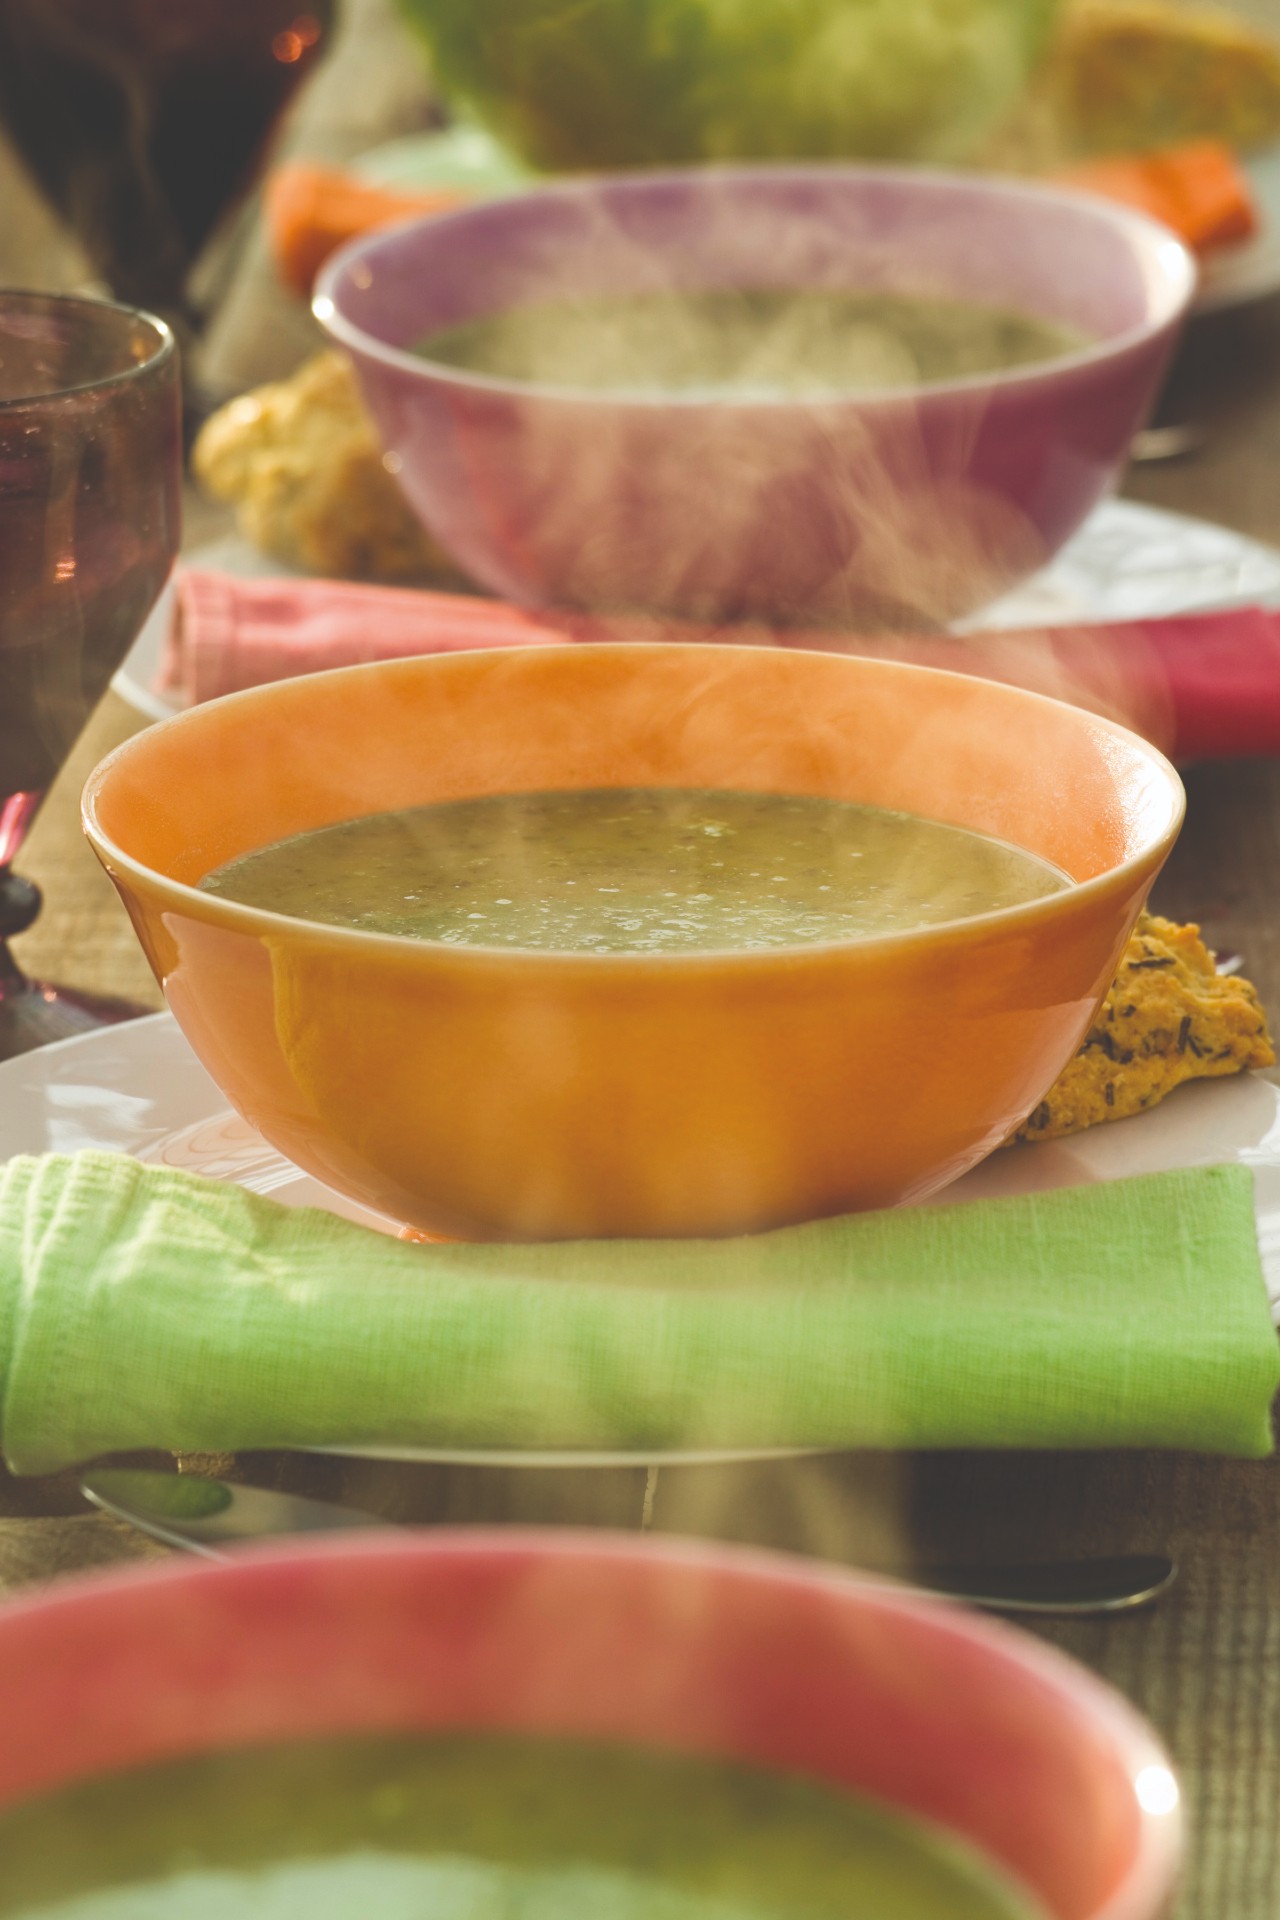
705	1649
902	507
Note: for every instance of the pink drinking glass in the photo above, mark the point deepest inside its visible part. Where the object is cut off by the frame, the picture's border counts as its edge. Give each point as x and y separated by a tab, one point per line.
90	513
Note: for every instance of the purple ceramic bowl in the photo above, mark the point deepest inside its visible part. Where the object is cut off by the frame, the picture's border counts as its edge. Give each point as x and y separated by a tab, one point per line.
908	506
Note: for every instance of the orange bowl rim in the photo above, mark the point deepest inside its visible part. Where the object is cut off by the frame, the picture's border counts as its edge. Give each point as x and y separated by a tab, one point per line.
218	910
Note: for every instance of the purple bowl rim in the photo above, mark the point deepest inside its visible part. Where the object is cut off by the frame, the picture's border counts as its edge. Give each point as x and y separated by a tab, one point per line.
1145	236
261	922
165	348
1160	1837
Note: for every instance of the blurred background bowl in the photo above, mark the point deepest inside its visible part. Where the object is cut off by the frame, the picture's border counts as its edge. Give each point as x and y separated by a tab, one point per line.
630	83
705	1650
503	1093
908	507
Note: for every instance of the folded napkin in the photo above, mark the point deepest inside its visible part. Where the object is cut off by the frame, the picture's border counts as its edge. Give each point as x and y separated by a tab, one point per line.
1199	188
229	633
1200	685
141	1307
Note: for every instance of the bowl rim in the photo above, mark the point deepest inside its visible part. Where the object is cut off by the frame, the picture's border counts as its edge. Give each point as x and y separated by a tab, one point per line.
1077	1691
1148	240
234	916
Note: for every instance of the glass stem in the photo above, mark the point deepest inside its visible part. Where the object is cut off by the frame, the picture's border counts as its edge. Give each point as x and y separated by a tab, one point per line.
19	905
19	899
12	979
16	816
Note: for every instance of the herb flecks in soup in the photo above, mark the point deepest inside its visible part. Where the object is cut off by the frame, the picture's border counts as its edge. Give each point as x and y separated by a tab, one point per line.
768	344
469	1828
636	870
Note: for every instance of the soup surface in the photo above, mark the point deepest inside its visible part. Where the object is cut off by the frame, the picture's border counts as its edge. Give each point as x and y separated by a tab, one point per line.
491	1827
743	345
637	870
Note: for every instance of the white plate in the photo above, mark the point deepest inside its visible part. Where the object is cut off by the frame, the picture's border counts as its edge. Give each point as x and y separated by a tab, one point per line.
1234	276
139	1089
1128	562
461	156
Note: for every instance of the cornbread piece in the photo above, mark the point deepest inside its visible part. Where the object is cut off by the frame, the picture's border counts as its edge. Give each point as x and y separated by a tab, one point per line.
300	462
1136	76
1131	75
1169	1017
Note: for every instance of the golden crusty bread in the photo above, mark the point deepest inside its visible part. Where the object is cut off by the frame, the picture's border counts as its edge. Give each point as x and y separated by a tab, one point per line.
301	464
1170	1017
1132	76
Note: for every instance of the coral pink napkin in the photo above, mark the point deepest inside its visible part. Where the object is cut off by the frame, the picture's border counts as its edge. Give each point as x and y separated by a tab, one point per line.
1200	685
230	633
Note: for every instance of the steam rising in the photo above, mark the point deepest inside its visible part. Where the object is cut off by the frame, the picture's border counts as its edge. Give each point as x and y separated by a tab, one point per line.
743	345
805	492
636	870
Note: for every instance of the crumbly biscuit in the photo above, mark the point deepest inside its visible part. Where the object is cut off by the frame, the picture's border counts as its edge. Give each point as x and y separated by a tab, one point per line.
1132	76
1139	74
1169	1017
302	466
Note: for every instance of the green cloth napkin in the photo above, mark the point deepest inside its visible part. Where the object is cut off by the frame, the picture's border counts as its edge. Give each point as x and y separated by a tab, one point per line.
141	1307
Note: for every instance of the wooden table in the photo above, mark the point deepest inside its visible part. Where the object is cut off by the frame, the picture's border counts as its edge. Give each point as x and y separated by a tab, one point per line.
1206	1665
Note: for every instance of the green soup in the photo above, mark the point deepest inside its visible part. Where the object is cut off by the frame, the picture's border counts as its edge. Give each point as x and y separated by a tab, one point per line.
480	1828
637	870
742	345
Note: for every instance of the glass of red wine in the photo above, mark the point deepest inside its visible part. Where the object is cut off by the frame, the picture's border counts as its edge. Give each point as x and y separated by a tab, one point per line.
145	121
90	515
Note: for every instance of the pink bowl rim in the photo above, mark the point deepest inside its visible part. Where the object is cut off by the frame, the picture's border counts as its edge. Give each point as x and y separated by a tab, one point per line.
260	922
1147	239
1160	1835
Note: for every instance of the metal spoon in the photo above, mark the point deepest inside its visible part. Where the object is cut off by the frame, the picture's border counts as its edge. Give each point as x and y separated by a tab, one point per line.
208	1516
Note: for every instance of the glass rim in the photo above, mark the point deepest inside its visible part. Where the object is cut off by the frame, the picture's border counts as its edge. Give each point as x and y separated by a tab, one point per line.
35	298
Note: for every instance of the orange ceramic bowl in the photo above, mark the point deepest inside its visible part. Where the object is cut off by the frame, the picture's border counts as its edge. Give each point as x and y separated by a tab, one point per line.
511	1094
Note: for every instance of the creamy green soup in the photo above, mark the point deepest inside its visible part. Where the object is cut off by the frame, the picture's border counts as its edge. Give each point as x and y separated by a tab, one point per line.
480	1828
637	870
762	344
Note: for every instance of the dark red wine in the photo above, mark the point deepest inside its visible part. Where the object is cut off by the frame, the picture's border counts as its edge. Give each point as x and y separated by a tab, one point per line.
89	514
90	465
144	120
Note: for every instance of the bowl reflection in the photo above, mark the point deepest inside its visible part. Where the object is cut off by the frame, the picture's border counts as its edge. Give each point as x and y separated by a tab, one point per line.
507	1093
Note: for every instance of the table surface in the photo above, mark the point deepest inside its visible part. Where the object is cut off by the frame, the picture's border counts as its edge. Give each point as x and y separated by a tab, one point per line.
1205	1666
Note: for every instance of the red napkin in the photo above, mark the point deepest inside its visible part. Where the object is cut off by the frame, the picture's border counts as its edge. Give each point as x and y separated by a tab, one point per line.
1201	685
311	211
230	633
1199	188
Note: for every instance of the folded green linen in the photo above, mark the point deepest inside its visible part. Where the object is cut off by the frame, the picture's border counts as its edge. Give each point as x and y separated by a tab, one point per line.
146	1308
